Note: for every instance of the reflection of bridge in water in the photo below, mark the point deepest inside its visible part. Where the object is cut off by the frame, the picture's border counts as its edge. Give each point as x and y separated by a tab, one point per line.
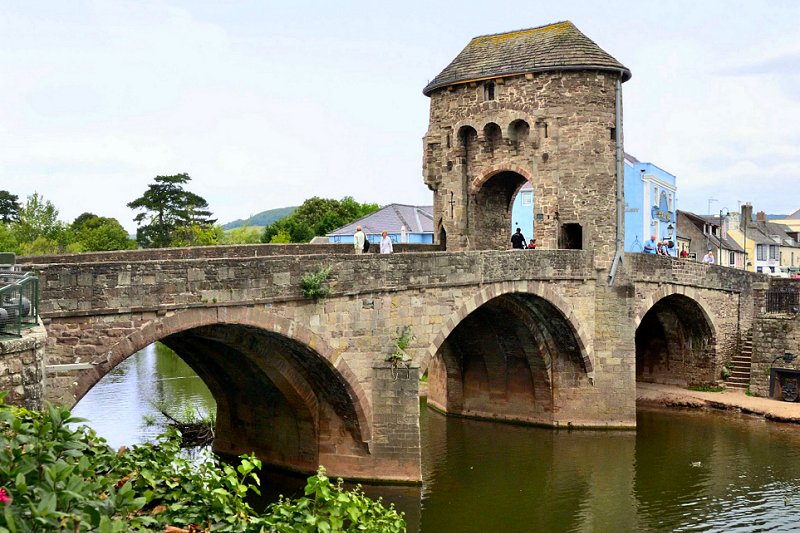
526	336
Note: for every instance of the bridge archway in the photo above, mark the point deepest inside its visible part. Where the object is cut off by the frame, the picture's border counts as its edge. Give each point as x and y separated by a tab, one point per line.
507	355
278	392
493	199
675	340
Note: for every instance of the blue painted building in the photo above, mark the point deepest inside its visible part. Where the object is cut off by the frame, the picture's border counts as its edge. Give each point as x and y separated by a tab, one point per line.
650	204
522	212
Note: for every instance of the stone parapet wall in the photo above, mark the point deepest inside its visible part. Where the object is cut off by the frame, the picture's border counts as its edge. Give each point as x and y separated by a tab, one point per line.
660	269
22	368
210	252
87	288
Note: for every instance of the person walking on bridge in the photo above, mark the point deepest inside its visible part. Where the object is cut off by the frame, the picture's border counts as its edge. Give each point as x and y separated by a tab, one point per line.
358	240
518	240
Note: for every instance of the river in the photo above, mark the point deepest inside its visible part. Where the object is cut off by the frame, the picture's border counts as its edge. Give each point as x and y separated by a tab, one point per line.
679	471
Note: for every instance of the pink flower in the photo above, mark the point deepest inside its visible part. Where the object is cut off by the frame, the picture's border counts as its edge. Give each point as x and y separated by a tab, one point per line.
4	497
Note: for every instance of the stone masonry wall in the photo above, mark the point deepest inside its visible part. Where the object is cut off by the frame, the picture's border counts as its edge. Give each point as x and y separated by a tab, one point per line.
773	335
212	252
564	147
22	368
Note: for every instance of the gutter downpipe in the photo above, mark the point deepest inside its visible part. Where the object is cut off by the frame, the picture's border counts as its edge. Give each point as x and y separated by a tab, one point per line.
620	245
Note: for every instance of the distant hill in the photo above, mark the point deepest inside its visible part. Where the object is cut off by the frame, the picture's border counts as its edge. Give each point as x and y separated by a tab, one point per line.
264	218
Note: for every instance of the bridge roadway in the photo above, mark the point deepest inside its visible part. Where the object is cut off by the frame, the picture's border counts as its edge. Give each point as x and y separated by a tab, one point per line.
535	336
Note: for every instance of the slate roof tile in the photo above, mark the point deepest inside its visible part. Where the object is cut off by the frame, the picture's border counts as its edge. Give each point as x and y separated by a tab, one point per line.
556	46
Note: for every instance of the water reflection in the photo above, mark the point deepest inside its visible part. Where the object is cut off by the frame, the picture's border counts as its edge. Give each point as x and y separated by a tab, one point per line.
680	471
122	406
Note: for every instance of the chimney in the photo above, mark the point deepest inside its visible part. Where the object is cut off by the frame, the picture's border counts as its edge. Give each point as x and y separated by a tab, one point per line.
747	216
761	216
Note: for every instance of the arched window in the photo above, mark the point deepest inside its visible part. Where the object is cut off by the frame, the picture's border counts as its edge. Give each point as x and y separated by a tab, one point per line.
518	130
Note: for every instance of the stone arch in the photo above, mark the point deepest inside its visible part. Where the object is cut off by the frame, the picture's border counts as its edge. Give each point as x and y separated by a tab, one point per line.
522	371
486	175
668	290
466	134
675	338
492	132
491	204
518	130
491	292
259	319
503	111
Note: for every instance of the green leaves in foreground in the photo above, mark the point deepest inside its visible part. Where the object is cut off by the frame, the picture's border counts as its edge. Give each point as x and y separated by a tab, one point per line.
55	477
328	507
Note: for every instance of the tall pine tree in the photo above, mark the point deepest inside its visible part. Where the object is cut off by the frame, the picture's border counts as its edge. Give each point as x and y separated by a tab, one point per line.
170	213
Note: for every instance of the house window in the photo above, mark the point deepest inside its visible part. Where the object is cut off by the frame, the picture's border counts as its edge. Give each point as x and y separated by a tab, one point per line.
773	252
772	269
488	90
759	269
731	258
527	198
761	253
669	202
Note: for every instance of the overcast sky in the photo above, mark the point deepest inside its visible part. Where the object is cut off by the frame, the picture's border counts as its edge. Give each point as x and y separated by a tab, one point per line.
267	103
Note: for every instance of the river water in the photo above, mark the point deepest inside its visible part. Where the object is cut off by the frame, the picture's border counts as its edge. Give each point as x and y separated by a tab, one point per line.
679	471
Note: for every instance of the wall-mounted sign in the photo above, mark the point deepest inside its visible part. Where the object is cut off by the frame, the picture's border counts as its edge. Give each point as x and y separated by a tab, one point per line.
661	211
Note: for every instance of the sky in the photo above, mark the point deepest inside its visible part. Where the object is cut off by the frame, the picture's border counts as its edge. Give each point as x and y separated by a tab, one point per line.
267	103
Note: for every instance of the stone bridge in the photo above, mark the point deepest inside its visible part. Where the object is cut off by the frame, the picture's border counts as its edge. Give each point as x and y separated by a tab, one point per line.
535	336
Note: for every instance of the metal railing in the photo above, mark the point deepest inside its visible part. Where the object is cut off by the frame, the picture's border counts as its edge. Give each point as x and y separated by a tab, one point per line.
19	301
783	301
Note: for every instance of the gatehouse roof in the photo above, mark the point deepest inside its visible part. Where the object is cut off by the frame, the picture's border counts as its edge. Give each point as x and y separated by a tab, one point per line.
559	46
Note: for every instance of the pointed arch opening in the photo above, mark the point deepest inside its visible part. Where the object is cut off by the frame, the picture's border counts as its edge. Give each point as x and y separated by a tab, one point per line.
506	360
675	344
276	396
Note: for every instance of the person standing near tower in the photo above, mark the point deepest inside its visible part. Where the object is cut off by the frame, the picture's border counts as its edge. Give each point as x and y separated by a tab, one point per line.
518	240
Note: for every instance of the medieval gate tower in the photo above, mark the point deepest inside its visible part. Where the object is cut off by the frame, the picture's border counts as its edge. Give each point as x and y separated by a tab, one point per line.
540	105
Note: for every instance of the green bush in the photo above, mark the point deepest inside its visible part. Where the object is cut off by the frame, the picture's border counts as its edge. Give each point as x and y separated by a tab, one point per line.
55	477
312	284
329	507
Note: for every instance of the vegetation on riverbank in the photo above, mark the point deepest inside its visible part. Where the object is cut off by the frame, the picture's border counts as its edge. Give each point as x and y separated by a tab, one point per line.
56	477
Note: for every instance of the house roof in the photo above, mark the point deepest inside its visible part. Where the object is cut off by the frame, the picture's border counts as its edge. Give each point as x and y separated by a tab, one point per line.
559	46
726	243
768	232
416	219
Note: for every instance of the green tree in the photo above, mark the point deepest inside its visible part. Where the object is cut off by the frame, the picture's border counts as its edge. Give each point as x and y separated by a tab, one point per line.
8	243
37	229
241	235
169	214
92	233
9	207
317	216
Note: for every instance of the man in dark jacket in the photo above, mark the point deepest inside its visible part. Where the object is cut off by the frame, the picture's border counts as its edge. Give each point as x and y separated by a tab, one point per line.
518	240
